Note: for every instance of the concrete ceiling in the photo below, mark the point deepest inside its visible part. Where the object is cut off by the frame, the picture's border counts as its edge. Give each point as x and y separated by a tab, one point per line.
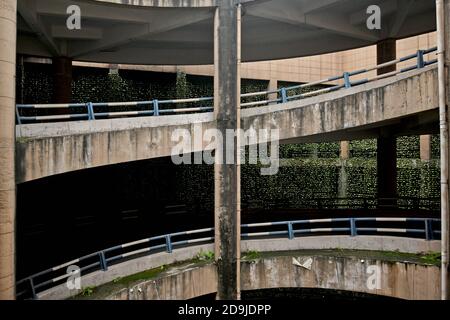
181	31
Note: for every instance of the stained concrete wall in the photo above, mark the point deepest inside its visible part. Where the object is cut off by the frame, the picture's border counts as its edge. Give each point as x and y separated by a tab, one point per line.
376	243
397	279
47	149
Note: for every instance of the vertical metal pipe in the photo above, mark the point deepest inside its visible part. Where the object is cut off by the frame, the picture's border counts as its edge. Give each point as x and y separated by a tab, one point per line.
443	124
238	154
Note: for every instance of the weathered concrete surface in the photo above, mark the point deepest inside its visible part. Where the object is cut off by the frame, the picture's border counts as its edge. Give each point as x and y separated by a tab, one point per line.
377	243
399	279
181	284
53	148
227	188
73	146
134	266
7	122
125	269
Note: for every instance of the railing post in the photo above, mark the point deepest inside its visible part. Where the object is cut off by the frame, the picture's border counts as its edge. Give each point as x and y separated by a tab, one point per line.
353	230
90	110
290	231
155	107
103	263
283	95
19	121
168	244
429	229
420	60
33	291
347	82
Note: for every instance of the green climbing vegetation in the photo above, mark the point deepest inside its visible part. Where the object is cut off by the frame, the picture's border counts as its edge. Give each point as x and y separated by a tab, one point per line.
87	292
308	170
251	255
206	256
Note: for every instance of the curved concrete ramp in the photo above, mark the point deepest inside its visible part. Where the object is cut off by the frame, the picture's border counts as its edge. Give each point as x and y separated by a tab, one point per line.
330	269
46	149
355	271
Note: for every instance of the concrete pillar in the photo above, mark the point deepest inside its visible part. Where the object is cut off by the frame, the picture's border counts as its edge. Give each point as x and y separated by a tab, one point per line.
345	150
8	11
425	147
343	179
387	169
386	145
62	79
227	175
386	51
273	85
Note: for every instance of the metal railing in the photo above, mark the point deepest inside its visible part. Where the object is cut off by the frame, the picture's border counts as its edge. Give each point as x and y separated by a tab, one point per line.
356	202
153	107
425	228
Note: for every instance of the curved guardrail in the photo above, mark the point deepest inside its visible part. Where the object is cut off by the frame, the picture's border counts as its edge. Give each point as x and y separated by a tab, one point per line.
153	107
425	228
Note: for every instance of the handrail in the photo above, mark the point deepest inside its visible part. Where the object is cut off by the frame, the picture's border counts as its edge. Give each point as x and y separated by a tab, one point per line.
425	228
283	93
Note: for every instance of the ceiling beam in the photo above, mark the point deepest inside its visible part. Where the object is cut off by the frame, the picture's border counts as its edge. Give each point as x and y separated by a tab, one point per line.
360	17
400	16
27	9
327	21
340	25
312	6
94	11
85	33
123	34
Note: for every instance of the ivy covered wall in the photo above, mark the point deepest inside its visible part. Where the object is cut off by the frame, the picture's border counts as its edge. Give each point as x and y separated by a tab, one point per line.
311	170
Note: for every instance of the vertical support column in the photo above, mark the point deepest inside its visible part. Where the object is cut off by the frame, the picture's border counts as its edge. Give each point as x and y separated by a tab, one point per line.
8	11
345	150
443	35
425	147
62	80
343	178
386	145
386	51
273	85
227	175
387	169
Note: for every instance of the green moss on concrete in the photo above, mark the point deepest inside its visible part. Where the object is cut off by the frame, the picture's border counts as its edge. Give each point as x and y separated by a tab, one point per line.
425	258
251	255
118	284
103	291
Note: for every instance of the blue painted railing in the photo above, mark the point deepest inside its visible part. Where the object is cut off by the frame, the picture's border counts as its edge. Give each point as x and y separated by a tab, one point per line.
154	107
425	228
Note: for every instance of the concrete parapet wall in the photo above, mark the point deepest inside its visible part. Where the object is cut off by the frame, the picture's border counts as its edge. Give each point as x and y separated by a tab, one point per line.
386	243
404	280
46	149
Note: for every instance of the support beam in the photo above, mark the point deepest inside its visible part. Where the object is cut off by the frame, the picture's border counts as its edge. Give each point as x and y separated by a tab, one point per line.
227	175
400	16
62	80
386	144
425	147
345	150
446	225
273	85
387	170
28	12
121	35
386	51
8	12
